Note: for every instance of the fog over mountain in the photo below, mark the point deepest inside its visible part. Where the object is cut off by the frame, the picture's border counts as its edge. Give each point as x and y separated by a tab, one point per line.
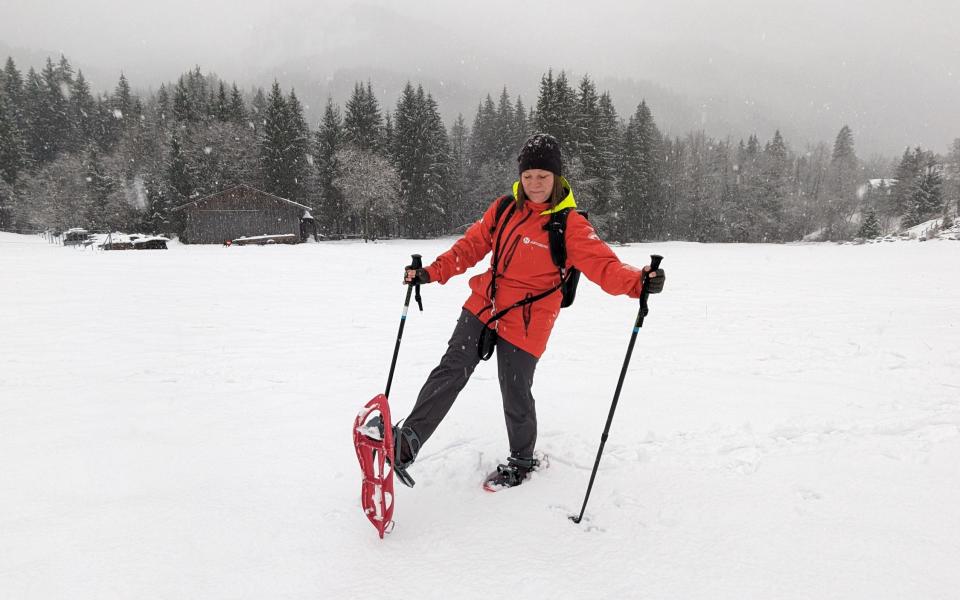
890	70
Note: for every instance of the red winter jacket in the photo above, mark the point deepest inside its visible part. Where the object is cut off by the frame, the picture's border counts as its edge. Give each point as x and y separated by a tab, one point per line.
526	268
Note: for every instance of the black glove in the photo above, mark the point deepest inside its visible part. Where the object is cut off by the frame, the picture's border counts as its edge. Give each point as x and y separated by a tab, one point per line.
654	285
421	277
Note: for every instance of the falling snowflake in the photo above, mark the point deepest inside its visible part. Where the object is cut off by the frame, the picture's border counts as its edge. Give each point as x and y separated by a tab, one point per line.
207	149
117	113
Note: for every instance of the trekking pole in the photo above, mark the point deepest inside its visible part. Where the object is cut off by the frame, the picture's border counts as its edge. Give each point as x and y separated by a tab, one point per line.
654	265
416	264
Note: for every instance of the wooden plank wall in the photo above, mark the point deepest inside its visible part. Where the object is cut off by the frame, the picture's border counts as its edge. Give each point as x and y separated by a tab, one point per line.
237	213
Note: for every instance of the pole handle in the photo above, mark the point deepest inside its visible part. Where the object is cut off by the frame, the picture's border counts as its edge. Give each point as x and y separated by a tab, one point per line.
416	262
654	265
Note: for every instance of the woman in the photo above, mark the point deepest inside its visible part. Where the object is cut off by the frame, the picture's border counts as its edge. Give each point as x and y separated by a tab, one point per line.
521	269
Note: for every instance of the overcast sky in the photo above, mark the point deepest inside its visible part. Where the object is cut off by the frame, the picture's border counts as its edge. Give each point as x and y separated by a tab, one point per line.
810	57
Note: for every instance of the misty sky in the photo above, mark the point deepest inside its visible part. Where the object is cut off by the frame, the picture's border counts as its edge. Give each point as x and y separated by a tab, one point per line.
892	65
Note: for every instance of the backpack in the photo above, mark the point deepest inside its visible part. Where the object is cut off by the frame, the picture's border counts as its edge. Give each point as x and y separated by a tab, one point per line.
556	230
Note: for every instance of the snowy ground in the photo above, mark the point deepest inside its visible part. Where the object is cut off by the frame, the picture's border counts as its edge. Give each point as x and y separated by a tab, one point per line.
176	424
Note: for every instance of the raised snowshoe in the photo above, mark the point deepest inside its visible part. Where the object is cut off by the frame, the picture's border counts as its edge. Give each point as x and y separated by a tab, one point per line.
512	474
375	453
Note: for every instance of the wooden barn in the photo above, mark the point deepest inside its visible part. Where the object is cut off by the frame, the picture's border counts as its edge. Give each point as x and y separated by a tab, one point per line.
241	211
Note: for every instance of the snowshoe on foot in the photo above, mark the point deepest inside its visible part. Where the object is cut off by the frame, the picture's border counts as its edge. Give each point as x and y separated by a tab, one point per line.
402	459
375	452
512	474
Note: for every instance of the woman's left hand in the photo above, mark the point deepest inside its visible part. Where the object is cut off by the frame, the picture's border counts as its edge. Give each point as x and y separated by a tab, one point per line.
654	280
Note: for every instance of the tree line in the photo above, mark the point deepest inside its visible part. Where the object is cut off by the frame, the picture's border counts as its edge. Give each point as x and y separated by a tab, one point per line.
123	161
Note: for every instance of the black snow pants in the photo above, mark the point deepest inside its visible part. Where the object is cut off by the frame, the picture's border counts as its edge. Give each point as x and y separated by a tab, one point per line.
515	369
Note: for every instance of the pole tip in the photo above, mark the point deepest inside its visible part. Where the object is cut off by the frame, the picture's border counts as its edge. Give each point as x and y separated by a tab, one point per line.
574	518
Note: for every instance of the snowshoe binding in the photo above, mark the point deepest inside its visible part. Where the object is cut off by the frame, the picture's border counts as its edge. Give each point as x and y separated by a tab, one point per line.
512	474
374	429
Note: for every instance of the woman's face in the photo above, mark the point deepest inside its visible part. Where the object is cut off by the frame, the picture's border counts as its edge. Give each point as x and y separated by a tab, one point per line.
537	184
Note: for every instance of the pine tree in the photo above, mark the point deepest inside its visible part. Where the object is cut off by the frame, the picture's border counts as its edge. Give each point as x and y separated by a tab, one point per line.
586	139
421	155
903	191
183	109
521	126
162	109
929	187
297	151
284	146
870	228
236	113
491	167
178	172
56	119
7	205
608	144
485	147
259	109
505	134
841	200
586	121
556	106
40	135
951	192
329	141
13	91
122	100
13	151
388	133
363	123
221	105
115	115
273	144
83	113
773	189
461	211
642	210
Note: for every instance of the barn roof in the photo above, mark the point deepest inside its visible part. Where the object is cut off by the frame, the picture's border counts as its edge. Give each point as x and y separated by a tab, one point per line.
242	185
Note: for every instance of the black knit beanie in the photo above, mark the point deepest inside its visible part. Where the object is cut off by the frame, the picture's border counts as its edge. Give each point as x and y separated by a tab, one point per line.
542	151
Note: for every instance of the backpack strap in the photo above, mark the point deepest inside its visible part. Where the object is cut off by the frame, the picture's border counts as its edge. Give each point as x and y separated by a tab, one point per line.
503	204
556	229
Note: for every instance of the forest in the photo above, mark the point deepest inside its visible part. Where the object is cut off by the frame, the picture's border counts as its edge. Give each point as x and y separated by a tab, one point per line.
122	160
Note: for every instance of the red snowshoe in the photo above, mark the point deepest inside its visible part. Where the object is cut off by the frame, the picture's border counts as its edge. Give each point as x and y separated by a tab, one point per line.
374	445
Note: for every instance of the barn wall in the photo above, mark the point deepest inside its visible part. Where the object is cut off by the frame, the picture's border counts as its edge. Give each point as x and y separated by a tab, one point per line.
238	213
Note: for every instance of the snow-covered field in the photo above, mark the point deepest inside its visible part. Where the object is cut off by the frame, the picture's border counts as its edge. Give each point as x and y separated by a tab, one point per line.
176	424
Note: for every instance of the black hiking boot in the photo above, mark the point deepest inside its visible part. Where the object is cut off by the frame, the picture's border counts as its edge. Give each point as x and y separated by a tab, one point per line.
403	457
512	474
